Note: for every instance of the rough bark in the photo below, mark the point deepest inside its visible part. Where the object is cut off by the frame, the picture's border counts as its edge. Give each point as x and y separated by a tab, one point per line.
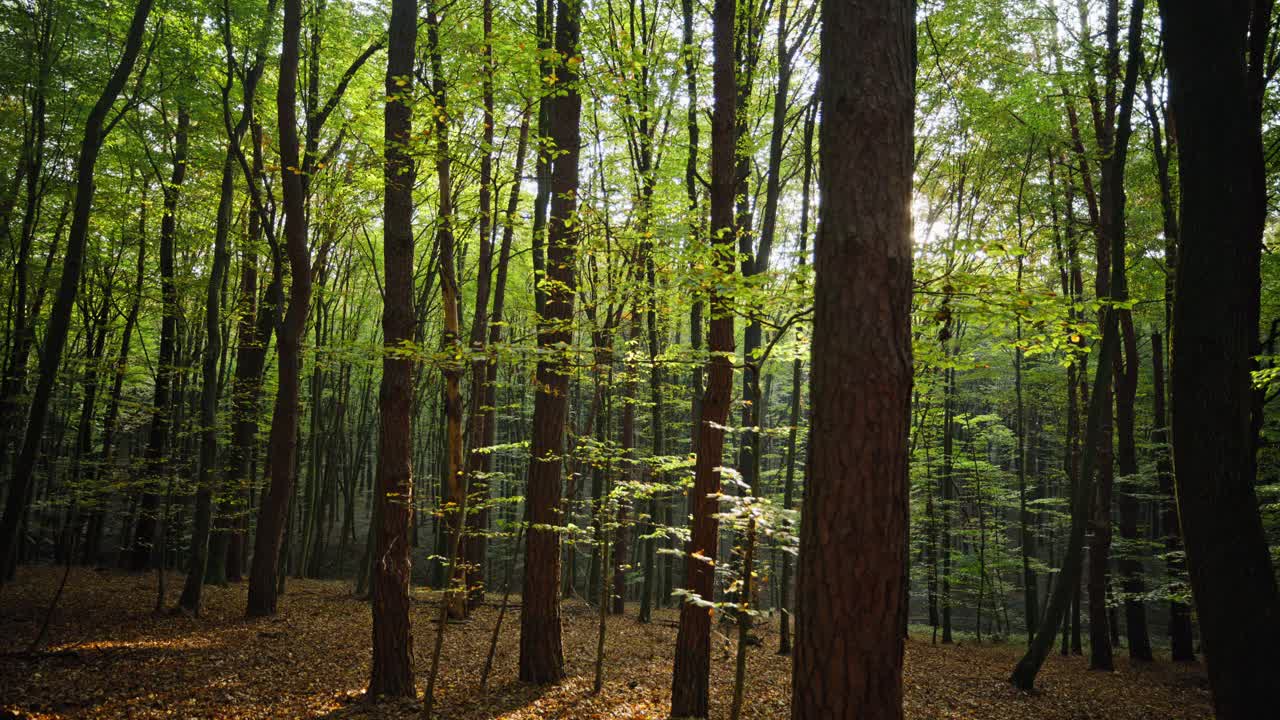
849	645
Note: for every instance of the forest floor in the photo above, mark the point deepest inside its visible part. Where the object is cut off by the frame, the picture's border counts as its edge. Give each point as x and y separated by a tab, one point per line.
108	655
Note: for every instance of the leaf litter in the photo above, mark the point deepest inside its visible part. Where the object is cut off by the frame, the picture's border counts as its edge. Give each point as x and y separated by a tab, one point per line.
108	656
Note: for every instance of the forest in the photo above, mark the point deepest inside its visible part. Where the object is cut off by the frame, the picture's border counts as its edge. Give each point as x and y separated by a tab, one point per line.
812	359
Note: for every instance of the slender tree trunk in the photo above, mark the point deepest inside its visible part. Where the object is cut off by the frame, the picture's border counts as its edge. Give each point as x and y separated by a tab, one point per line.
541	656
166	403
225	543
203	519
627	443
478	520
1131	569
283	440
110	423
1181	646
797	365
690	676
253	332
456	482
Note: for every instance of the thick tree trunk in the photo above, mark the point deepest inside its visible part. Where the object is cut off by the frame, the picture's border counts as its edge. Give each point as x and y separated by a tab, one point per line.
392	673
541	656
1215	334
849	645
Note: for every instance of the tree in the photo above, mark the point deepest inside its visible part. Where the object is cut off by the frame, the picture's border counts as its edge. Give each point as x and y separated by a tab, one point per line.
392	673
210	382
541	655
160	432
689	678
860	382
96	129
283	443
1215	330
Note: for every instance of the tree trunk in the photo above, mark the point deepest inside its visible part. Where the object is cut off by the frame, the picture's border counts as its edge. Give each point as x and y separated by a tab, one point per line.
690	676
478	519
849	645
1215	334
203	518
392	673
789	484
157	457
541	656
455	478
283	440
1181	646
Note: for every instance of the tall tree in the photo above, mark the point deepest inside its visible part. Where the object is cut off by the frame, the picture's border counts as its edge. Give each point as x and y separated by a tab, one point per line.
690	675
210	380
160	432
1215	330
849	645
97	127
1084	508
392	673
283	441
455	489
541	655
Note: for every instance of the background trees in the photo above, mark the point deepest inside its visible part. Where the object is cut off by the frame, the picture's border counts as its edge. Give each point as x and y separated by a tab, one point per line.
622	227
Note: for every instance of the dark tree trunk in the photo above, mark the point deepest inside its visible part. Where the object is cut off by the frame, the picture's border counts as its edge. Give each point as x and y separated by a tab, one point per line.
392	673
283	440
203	517
158	460
620	554
541	656
223	553
690	676
849	645
206	555
1084	504
1181	646
789	484
110	422
253	332
1215	329
1125	365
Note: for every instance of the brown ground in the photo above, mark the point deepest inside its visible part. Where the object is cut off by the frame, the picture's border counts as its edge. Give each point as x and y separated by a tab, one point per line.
109	656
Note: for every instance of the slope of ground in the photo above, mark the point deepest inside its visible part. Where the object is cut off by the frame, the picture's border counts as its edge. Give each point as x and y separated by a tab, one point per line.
109	656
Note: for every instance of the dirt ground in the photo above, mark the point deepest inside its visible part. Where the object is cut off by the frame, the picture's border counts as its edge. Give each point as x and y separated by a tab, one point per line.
109	656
